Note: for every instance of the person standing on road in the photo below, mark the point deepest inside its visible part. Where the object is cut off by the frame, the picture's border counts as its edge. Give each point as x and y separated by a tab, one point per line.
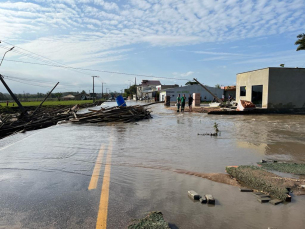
190	103
183	98
178	103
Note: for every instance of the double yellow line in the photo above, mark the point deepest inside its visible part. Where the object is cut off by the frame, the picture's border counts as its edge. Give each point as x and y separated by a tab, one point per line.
101	222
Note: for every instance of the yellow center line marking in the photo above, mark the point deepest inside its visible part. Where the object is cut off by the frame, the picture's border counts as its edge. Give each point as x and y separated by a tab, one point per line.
101	222
97	169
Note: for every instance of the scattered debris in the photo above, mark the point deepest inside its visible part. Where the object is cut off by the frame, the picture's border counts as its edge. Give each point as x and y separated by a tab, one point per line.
263	200
194	195
209	134
212	134
40	119
48	116
153	220
216	127
243	189
210	199
203	200
114	114
275	201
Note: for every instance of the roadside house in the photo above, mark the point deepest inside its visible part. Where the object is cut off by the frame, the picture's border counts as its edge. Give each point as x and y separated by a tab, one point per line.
190	89
272	87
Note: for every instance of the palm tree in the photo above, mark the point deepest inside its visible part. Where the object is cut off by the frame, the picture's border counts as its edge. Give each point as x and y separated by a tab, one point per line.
300	42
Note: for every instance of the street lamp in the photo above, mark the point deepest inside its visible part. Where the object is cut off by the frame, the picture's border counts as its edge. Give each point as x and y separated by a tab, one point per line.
5	53
7	87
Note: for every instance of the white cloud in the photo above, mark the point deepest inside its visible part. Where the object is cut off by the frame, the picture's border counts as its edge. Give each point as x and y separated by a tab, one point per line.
187	73
171	40
85	32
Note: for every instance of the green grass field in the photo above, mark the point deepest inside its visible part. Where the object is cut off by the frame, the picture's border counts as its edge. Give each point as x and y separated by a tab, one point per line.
49	103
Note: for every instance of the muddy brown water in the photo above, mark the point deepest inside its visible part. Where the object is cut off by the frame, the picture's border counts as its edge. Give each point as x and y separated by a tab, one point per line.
44	174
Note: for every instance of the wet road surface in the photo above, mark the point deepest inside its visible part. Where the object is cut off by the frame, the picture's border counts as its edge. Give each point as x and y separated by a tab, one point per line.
89	176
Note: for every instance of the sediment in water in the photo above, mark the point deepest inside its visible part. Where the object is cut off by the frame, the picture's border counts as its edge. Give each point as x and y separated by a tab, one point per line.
262	180
153	220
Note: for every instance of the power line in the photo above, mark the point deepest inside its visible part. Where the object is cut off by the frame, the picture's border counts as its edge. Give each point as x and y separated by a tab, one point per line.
39	83
68	67
49	61
95	70
27	83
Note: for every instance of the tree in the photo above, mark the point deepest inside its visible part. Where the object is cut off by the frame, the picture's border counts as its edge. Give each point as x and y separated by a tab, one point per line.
191	83
58	95
217	86
300	42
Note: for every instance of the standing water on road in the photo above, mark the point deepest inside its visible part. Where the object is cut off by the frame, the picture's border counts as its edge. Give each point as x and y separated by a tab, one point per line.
45	174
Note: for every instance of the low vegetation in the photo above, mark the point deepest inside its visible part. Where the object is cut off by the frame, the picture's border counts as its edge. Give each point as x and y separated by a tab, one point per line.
294	168
259	179
153	220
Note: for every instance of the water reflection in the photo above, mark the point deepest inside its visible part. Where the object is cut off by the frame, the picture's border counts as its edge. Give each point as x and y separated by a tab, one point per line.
144	159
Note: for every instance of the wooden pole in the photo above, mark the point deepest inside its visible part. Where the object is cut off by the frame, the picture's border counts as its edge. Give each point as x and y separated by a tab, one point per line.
218	99
45	99
12	94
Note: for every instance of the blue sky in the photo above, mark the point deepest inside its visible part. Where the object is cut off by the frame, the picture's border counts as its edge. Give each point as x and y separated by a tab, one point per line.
211	40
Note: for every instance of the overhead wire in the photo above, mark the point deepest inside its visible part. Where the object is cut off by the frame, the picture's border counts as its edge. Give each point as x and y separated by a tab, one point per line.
38	83
48	61
85	69
95	70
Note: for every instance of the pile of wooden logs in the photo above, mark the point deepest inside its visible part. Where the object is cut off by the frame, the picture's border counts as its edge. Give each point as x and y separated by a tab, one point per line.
32	120
113	114
45	117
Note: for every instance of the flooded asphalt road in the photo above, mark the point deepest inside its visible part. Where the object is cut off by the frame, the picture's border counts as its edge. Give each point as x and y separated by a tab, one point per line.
54	177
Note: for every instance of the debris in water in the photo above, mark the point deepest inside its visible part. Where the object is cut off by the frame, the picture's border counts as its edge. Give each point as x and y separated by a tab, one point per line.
203	200
243	189
276	201
114	114
154	220
210	199
194	195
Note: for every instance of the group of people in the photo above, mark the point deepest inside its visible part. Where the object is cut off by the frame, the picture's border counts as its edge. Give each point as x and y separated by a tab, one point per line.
181	103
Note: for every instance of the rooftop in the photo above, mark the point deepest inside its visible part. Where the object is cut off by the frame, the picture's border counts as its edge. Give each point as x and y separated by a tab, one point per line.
271	67
150	82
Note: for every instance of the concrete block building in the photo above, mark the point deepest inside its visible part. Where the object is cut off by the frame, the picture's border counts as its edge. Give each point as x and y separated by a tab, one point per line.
272	87
190	89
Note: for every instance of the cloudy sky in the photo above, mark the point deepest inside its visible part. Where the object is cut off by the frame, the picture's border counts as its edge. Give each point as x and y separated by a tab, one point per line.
211	40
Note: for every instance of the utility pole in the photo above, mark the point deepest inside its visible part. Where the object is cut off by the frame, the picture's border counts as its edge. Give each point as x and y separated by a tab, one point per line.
12	94
135	85
103	89
93	88
7	87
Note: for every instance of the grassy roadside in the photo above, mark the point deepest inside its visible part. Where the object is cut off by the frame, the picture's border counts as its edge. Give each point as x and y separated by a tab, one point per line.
294	168
49	103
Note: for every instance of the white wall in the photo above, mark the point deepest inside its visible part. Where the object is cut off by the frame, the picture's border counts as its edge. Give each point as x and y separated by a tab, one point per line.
173	92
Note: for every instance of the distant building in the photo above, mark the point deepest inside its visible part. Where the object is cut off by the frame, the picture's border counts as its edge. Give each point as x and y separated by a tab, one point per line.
147	88
68	97
162	87
82	96
190	89
272	87
229	91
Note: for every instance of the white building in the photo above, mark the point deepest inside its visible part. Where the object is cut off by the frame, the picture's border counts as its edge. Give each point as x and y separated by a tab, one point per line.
147	88
190	89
